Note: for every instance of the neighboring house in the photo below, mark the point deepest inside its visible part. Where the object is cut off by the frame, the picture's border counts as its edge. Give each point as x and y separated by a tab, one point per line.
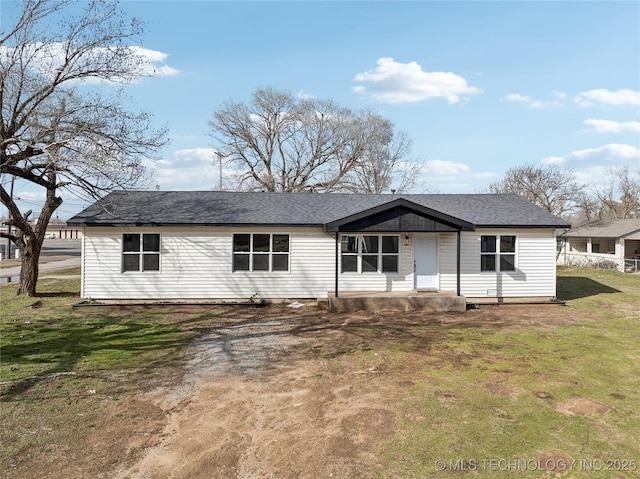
63	231
180	245
611	244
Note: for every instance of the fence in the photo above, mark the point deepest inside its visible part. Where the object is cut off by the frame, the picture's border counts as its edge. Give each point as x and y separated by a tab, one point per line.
632	265
599	261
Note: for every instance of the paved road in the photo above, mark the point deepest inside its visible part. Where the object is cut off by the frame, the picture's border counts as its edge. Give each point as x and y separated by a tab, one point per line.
58	247
53	247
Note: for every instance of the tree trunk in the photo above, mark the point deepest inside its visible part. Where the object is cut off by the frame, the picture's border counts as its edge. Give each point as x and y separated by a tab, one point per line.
29	237
29	270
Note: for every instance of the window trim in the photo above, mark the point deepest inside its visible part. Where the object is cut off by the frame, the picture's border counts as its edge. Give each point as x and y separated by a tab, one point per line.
360	253
497	254
251	254
141	253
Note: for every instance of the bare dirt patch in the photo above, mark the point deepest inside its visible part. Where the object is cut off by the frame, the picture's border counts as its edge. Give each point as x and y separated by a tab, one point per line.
254	404
579	406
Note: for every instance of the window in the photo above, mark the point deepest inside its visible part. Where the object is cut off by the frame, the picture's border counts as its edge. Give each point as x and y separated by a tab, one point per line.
140	252
349	253
261	252
497	253
390	251
369	253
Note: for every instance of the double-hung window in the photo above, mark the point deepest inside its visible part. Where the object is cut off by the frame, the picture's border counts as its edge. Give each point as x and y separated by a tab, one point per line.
369	253
140	252
260	252
497	253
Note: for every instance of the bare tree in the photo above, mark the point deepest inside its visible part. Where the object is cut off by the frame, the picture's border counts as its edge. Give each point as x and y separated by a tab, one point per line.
383	166
588	208
56	131
550	187
289	144
619	197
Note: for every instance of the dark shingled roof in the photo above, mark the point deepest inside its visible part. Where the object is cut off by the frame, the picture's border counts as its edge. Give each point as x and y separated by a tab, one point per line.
612	228
219	208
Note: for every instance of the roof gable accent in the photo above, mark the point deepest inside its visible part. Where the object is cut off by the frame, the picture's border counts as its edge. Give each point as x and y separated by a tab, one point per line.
399	215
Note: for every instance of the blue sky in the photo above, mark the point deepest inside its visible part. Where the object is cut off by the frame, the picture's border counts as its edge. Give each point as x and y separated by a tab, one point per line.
479	86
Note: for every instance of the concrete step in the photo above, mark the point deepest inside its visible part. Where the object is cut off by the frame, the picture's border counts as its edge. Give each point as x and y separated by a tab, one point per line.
414	302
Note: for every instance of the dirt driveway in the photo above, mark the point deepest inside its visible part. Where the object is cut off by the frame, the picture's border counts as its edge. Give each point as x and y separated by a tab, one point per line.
281	394
264	398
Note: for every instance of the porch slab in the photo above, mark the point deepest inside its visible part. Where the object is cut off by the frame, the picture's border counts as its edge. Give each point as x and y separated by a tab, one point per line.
427	301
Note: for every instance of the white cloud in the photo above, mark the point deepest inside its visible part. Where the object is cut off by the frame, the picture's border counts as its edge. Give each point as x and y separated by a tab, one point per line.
525	99
305	96
394	82
517	97
152	62
47	59
446	168
554	160
595	175
532	102
26	195
188	169
608	126
485	175
611	152
196	155
606	97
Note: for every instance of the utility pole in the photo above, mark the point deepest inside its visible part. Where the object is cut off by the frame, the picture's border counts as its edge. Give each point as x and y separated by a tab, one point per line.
220	172
8	247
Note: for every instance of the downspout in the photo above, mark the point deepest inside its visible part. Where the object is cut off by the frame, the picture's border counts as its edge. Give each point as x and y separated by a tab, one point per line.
337	261
458	265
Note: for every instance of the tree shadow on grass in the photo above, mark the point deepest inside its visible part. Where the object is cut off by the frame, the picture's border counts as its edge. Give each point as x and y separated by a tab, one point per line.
62	294
119	344
576	287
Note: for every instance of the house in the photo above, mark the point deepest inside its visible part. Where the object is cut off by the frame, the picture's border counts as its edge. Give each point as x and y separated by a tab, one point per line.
612	243
198	245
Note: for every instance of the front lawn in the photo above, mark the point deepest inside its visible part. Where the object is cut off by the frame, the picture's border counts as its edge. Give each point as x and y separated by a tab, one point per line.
505	391
488	403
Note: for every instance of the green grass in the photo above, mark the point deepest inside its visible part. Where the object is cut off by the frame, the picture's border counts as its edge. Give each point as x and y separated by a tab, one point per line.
64	272
52	338
467	424
63	372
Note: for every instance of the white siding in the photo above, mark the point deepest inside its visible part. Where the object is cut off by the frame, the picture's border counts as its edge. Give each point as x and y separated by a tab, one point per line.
535	275
196	263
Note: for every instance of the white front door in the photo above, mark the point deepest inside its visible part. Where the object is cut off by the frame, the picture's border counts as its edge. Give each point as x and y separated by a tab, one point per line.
425	257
